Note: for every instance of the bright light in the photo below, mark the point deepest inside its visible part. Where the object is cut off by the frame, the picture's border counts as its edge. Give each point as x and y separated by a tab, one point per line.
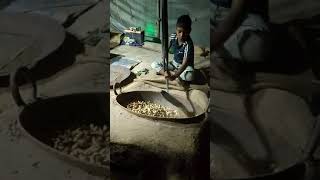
150	30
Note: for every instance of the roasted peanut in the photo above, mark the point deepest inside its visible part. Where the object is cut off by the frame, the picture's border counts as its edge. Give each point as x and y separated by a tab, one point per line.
86	143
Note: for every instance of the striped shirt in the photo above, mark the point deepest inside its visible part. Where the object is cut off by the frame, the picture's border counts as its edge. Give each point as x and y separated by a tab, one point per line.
186	50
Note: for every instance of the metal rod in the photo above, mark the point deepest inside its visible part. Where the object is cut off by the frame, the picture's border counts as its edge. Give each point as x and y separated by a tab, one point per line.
165	39
159	18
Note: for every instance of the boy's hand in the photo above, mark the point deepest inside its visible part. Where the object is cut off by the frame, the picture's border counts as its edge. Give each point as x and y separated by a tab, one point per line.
173	77
170	75
167	74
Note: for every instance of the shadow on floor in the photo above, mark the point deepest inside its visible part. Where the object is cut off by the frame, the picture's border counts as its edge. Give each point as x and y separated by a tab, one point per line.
115	55
135	163
62	58
201	77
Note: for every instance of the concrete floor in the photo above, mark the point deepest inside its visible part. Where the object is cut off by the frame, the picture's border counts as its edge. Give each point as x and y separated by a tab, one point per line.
152	52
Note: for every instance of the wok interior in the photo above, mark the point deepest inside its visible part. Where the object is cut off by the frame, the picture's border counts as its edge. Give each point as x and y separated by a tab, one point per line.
45	119
186	107
233	159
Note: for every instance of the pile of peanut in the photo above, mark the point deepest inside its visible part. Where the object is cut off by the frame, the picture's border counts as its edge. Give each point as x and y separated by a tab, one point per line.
87	143
151	109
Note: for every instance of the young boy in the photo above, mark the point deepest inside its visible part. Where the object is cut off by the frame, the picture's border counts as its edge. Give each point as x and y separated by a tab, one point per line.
181	43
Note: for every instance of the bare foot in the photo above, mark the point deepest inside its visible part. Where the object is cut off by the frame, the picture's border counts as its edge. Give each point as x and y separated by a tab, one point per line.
161	72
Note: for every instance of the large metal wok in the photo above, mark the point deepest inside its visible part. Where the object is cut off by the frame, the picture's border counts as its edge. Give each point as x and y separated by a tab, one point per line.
41	119
238	164
190	109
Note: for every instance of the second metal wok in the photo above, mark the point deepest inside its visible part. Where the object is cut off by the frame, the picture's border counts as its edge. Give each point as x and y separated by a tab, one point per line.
43	119
191	108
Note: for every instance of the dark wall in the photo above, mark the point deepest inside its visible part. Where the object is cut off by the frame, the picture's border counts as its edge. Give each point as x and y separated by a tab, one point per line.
145	13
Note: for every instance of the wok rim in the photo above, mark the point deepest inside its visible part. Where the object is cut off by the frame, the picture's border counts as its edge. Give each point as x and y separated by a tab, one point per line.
265	175
276	172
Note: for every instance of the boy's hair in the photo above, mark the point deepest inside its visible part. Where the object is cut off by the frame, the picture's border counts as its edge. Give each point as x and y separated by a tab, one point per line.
184	21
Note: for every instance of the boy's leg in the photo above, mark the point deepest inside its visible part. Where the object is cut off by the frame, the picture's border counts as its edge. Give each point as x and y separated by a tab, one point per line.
187	74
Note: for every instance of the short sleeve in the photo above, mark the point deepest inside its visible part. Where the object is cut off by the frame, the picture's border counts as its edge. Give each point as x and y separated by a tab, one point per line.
189	51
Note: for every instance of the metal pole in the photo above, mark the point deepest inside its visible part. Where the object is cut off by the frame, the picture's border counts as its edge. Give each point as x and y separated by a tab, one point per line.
165	39
159	18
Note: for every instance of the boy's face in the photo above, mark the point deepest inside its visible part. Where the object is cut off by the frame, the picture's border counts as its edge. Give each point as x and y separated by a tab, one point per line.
182	33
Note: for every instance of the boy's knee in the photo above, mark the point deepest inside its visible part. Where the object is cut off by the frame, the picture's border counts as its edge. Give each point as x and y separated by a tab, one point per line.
187	76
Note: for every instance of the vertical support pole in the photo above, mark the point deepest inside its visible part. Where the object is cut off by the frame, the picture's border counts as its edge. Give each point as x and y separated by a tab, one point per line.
165	39
159	19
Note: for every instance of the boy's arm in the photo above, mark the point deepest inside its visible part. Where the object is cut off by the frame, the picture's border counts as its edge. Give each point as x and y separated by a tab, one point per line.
187	55
227	26
181	69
